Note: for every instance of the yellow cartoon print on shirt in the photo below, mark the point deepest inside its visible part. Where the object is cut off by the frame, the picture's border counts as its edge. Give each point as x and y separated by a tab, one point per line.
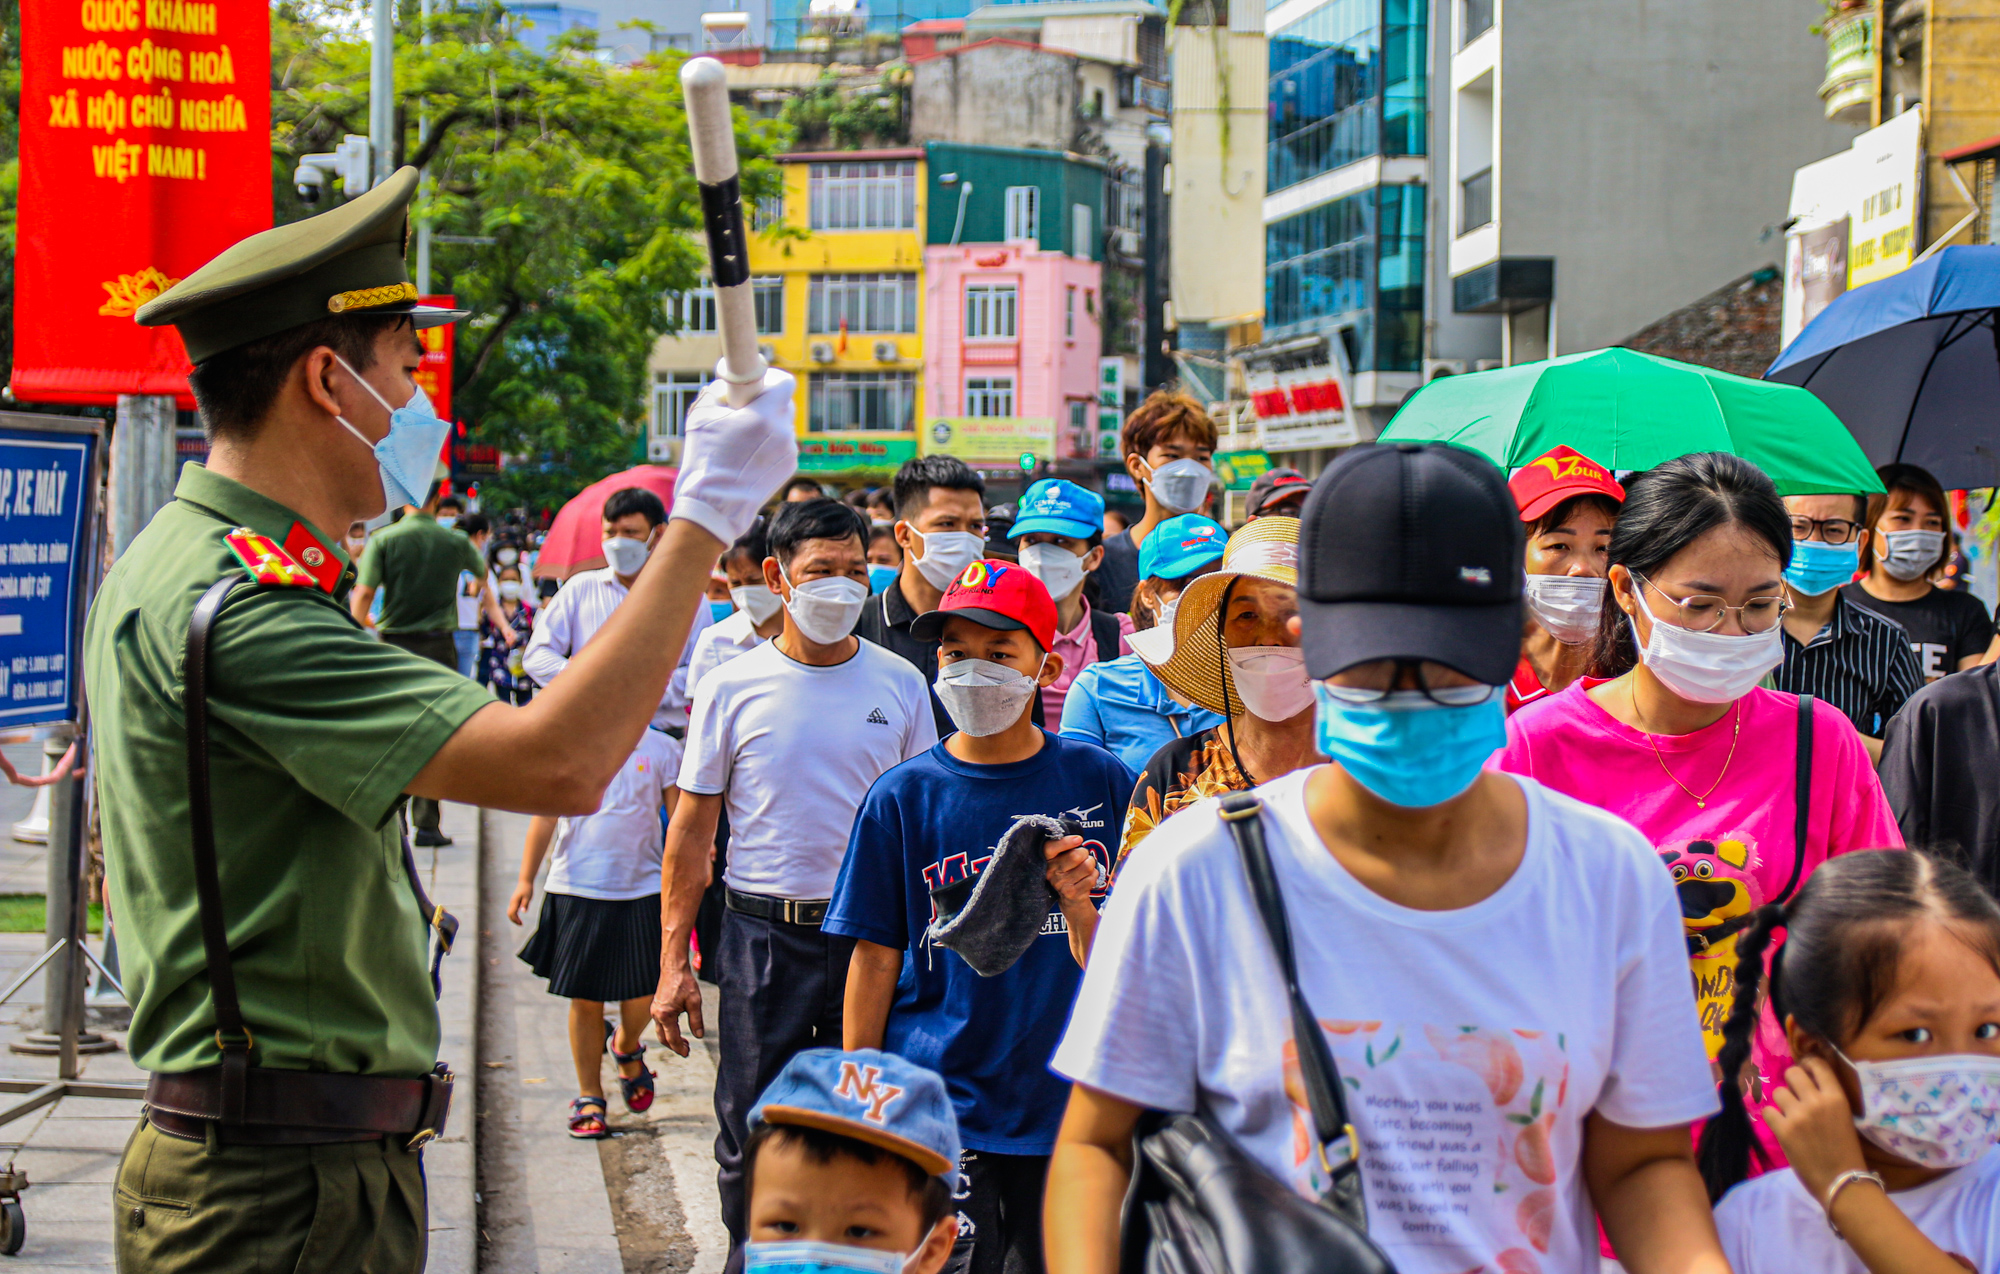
1717	884
1458	1129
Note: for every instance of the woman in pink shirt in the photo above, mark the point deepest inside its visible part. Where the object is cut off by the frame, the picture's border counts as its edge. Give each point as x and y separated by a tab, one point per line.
1685	745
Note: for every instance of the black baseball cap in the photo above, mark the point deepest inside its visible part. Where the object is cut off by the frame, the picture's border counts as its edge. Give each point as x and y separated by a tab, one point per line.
1273	488
1411	551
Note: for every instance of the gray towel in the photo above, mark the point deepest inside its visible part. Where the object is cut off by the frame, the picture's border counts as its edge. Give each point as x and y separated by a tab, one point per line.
993	918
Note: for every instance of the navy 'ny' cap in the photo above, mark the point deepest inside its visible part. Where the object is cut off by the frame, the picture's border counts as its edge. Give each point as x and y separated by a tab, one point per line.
1411	551
871	1096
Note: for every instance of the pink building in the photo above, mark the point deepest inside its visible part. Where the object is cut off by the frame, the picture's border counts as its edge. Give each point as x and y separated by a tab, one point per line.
1012	330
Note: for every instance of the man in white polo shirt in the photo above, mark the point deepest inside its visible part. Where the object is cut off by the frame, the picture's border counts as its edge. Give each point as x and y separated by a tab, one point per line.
788	737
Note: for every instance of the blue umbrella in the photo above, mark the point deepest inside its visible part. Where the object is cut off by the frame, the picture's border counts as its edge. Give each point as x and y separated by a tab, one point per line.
1911	365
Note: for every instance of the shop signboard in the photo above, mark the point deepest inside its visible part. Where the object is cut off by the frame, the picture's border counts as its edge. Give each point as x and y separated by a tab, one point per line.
849	453
989	440
1853	219
1236	470
1110	405
1301	408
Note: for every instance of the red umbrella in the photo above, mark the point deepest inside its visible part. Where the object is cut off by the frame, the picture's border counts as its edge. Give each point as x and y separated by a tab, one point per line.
576	537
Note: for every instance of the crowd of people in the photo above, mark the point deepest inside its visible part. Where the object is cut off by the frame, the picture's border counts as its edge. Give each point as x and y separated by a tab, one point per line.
1585	795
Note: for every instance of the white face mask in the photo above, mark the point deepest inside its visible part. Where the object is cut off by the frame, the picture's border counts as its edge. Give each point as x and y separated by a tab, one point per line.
1059	570
1181	485
1708	667
510	590
1271	681
1909	555
983	697
1932	1111
626	556
826	610
946	554
1567	606
1164	616
507	557
756	601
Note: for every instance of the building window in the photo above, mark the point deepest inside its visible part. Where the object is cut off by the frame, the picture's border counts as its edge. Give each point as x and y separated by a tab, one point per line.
1023	213
864	196
696	310
1478	20
863	302
1475	201
1125	196
1069	313
673	394
767	294
1355	263
1347	81
1080	235
862	400
989	396
1079	415
989	311
767	212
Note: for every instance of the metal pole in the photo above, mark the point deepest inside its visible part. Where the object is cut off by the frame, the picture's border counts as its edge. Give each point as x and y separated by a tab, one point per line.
66	832
382	90
142	464
424	135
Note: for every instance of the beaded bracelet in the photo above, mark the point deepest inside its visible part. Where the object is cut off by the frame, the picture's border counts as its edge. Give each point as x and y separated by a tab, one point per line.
1840	1183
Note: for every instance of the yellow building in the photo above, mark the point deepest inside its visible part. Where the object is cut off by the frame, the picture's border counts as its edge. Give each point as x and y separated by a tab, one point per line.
838	277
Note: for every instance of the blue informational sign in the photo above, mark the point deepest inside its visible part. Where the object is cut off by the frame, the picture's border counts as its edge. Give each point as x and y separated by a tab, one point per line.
46	494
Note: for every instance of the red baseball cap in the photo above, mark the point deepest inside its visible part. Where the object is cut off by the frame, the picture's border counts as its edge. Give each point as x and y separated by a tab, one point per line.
995	595
1555	476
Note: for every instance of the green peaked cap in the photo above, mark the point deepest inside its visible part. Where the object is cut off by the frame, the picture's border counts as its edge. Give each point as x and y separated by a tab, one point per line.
348	260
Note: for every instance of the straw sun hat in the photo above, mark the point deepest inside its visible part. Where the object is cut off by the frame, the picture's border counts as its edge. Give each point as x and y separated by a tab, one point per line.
1198	670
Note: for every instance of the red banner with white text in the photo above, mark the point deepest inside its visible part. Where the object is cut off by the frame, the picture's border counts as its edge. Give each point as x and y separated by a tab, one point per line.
145	151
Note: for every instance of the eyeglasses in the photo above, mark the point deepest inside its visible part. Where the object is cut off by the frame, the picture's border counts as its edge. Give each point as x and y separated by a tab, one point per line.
1371	683
1702	613
1831	530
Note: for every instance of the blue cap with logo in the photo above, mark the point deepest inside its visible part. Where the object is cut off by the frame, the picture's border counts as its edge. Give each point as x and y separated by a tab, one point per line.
870	1096
1181	545
1060	507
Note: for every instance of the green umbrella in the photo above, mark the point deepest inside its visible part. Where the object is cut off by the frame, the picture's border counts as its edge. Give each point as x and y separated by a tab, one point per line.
1628	410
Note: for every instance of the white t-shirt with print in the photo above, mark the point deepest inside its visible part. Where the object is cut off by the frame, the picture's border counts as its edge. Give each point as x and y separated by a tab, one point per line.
1770	1225
1473	1042
795	748
614	854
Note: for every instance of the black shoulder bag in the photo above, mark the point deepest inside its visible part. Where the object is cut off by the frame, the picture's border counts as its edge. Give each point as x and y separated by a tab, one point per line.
231	1034
1700	940
1199	1204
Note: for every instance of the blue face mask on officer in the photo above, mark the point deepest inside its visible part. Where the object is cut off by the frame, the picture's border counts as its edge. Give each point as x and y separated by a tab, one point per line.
1406	747
408	454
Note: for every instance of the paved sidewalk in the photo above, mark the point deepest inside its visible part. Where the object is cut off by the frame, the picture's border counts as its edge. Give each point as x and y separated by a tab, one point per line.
641	1202
71	1149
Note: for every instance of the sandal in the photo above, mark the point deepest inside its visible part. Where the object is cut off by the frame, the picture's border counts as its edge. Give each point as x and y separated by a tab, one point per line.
638	1090
586	1125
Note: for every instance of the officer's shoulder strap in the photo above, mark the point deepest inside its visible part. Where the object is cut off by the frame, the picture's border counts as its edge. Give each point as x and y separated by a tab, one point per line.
266	562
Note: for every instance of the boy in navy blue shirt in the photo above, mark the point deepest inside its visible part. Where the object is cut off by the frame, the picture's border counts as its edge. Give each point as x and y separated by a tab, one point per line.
936	819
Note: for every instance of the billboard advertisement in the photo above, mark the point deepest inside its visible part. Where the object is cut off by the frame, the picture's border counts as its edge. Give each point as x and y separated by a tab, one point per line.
145	150
990	440
1853	218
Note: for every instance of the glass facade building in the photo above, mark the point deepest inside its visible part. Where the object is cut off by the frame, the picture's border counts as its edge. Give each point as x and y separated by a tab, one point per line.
1349	82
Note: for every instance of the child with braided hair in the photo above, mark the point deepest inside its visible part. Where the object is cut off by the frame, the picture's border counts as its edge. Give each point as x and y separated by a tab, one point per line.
1888	988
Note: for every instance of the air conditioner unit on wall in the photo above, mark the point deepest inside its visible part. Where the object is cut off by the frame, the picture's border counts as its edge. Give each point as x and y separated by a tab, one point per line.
769	353
1486	364
886	352
822	351
1436	367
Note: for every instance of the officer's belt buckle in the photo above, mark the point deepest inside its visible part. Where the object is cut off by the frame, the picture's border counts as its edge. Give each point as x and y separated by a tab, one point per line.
437	1108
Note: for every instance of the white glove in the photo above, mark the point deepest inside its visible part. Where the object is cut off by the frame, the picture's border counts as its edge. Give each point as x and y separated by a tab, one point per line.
735	457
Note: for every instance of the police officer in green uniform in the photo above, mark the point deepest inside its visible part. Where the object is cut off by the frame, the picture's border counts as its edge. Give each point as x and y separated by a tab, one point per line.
288	1016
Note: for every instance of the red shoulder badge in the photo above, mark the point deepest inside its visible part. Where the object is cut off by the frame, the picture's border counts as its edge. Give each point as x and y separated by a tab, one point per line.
307	551
266	562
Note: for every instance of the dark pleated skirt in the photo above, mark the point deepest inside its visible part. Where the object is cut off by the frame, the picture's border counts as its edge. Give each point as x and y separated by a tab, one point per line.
591	949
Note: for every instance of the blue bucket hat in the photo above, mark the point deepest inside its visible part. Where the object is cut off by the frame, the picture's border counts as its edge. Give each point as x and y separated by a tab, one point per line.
1180	545
870	1096
1061	508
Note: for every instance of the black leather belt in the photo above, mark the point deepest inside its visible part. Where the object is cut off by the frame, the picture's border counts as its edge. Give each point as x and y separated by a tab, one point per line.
810	912
299	1108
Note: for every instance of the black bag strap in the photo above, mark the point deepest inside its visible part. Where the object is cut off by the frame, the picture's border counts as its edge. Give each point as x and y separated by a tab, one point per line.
1325	1093
232	1035
1802	796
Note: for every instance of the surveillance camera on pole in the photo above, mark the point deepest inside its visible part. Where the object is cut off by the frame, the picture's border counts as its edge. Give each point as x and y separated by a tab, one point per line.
349	164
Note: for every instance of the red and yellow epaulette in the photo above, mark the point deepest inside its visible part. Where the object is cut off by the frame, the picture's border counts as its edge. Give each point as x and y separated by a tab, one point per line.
266	562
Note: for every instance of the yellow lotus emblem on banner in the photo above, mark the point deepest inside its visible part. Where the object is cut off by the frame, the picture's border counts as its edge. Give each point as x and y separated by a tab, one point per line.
130	291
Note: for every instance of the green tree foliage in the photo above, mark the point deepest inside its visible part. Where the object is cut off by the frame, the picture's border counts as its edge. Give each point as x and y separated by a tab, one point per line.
836	116
578	172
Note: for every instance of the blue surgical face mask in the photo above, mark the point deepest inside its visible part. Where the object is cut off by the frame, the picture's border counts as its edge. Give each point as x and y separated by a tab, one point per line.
719	611
447	521
1406	749
408	453
879	576
806	1256
1820	568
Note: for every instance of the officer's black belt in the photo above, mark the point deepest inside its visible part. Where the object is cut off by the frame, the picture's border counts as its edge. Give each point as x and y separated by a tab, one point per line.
810	912
296	1108
259	1105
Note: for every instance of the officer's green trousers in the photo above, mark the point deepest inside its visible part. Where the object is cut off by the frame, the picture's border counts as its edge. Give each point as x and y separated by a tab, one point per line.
352	1208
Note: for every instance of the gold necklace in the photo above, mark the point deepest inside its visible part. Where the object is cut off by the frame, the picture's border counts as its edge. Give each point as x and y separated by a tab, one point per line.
1701	801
